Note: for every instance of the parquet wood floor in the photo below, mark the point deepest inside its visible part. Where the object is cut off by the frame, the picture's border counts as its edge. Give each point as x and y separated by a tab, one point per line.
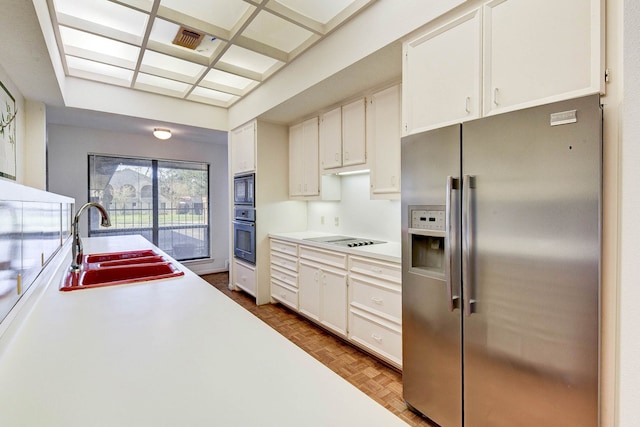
381	382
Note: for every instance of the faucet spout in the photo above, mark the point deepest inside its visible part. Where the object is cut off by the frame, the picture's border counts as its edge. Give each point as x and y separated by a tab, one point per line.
76	247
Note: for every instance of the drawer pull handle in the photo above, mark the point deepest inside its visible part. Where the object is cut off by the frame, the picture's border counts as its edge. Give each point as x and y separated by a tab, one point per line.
283	295
377	300
376	270
378	338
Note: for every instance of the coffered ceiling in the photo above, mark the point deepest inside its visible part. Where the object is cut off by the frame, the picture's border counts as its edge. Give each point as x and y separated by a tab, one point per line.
209	51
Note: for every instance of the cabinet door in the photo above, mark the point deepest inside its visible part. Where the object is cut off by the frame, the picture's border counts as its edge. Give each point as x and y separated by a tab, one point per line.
333	294
442	76
331	139
243	148
245	278
383	134
353	134
540	51
309	161
309	290
296	160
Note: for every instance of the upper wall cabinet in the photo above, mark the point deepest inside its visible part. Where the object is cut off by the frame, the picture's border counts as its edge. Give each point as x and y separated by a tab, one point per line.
303	159
331	139
512	54
540	51
442	76
343	137
383	140
243	148
354	151
305	181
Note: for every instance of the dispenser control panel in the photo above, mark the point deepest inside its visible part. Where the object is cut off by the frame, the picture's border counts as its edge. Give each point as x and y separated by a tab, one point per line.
428	219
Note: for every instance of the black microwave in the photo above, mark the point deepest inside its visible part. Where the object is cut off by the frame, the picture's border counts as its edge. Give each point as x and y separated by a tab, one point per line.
243	189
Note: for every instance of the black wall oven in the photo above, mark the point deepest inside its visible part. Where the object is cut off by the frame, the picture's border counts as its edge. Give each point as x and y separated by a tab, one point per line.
244	233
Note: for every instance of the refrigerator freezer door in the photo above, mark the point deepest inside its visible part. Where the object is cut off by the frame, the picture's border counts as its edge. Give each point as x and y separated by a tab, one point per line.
531	340
431	328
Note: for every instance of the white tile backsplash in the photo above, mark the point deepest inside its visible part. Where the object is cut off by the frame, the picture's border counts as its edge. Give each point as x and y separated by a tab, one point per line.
357	215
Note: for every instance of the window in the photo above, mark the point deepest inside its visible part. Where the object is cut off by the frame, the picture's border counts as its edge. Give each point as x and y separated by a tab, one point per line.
165	201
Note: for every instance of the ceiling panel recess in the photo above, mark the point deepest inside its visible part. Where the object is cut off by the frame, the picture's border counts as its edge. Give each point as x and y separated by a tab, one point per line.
208	51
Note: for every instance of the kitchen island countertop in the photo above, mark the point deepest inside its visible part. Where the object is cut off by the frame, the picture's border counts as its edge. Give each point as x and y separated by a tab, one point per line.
173	352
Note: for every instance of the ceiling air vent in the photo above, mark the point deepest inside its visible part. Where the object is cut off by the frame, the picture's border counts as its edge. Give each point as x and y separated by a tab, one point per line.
188	38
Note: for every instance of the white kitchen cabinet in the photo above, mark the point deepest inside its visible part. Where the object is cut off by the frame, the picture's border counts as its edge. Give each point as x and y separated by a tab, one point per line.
274	209
245	277
333	300
375	307
343	137
296	160
323	288
284	273
376	335
356	297
383	140
305	181
243	148
510	55
540	51
442	73
354	148
331	139
309	289
303	159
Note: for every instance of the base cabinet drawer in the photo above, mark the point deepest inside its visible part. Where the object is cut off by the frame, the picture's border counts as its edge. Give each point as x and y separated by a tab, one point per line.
378	269
284	294
284	247
381	297
284	261
286	276
377	335
245	278
331	258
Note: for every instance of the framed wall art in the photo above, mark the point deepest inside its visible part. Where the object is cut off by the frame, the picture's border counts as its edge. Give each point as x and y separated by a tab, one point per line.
8	124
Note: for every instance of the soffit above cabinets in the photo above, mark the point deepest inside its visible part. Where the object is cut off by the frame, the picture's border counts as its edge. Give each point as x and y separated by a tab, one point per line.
209	51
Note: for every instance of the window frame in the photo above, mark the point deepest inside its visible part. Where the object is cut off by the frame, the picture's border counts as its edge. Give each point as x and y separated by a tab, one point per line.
155	228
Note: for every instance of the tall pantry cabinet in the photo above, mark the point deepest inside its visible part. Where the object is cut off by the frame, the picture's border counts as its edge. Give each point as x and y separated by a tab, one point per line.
264	146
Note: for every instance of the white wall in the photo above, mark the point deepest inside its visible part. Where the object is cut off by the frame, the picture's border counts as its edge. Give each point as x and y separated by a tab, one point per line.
629	314
35	147
147	105
357	215
68	147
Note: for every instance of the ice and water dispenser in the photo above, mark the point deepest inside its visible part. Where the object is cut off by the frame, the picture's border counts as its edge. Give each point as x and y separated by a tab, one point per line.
427	238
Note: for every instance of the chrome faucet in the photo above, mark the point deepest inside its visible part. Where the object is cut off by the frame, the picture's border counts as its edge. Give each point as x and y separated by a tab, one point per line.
76	248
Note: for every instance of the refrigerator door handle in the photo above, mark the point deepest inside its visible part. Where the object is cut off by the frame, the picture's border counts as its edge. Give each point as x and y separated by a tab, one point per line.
450	233
468	183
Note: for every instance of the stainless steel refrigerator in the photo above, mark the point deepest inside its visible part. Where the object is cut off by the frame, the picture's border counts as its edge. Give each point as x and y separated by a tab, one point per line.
501	268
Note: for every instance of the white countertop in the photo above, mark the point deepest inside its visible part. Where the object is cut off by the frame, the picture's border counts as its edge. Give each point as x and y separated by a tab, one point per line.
390	251
173	352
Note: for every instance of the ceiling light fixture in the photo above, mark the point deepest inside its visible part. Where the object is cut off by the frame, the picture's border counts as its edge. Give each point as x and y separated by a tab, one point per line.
162	133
